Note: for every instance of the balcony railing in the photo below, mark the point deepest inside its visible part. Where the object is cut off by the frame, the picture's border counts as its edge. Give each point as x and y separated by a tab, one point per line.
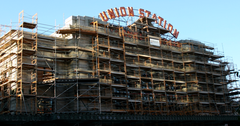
160	99
203	99
160	88
105	80
134	86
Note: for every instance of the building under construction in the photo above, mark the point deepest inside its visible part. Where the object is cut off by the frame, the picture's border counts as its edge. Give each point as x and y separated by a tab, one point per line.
94	66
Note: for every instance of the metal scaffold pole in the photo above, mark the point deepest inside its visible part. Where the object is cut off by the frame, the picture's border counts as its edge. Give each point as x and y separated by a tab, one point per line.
77	60
55	70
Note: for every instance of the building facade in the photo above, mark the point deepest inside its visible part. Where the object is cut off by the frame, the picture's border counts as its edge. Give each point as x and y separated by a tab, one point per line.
94	66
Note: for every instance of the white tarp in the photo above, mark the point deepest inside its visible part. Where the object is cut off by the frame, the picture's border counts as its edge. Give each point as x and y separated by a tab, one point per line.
154	42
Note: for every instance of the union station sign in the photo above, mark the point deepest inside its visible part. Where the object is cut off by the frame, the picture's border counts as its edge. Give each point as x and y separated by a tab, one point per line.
128	11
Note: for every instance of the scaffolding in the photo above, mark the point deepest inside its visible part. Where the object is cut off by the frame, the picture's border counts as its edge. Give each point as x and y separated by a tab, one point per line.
93	66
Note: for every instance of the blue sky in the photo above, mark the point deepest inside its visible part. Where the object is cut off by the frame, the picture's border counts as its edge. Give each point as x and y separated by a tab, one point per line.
213	21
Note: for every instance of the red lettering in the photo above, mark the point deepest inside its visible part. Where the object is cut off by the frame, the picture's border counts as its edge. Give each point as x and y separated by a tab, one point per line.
111	13
123	11
116	11
175	33
154	17
160	20
164	24
170	27
103	16
130	11
140	11
148	13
